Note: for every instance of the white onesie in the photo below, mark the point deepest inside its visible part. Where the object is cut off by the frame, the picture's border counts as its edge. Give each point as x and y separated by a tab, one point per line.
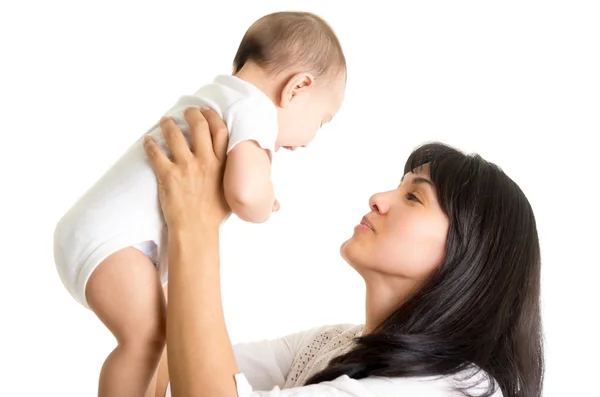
122	208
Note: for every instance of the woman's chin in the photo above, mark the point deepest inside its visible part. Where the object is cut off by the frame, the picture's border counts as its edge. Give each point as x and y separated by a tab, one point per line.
348	252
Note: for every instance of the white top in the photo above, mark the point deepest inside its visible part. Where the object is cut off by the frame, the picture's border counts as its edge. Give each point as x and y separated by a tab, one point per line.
280	367
122	208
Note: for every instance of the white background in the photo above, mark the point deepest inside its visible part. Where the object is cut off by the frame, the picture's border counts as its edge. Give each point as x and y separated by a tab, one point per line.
516	81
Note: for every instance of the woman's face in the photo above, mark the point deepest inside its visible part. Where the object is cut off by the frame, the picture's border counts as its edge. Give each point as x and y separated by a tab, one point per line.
405	233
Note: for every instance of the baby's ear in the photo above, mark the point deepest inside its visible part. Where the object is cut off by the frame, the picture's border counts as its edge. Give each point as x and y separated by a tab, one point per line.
296	85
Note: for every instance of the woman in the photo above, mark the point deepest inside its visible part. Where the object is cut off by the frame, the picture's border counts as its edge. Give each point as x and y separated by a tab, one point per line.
450	259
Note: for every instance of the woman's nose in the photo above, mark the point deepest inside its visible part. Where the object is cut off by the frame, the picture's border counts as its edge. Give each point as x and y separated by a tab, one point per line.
379	203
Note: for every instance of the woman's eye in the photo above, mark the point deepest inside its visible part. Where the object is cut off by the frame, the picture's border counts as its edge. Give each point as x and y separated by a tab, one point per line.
412	197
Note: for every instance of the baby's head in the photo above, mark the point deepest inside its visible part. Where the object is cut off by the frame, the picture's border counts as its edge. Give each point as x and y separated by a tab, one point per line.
297	60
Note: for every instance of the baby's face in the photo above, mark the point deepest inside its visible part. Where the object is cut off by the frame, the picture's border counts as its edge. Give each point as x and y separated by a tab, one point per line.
308	111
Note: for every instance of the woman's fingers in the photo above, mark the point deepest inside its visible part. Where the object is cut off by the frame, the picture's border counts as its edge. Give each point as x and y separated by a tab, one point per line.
218	131
158	160
199	132
175	140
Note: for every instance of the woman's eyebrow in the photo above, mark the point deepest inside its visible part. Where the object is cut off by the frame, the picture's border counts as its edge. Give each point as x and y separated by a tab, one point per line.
420	180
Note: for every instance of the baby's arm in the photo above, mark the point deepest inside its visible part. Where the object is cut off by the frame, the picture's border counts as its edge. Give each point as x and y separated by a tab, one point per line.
247	182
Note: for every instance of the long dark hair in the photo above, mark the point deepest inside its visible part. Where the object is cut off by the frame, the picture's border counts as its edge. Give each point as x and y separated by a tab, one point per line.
481	309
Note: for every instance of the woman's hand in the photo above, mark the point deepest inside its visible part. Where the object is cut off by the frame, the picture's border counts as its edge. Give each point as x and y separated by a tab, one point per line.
190	187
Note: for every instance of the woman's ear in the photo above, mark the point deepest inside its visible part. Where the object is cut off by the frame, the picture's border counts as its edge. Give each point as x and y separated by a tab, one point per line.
295	85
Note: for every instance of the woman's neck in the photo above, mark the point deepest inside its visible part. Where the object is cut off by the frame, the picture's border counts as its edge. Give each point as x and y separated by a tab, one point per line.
384	295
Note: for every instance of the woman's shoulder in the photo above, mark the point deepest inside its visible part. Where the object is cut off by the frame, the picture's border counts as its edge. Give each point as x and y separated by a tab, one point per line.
330	331
317	347
325	337
268	362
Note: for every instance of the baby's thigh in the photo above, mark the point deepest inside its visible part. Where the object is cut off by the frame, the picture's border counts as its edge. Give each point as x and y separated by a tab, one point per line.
126	294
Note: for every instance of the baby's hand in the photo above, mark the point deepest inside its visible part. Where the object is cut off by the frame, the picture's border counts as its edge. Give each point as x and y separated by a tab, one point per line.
276	206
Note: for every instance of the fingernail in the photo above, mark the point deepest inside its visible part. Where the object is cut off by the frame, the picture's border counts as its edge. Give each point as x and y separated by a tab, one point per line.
203	108
163	119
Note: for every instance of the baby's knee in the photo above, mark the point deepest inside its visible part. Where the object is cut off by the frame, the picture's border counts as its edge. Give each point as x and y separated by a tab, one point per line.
145	331
150	337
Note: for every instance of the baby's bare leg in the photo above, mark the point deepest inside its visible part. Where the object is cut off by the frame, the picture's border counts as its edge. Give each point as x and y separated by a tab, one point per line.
125	293
161	378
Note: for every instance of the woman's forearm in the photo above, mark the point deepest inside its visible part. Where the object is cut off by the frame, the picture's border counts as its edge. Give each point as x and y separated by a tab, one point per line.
201	360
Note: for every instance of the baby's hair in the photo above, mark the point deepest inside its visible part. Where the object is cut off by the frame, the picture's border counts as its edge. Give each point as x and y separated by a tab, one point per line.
296	41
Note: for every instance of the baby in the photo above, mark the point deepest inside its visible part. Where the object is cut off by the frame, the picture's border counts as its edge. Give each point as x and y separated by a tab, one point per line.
289	78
